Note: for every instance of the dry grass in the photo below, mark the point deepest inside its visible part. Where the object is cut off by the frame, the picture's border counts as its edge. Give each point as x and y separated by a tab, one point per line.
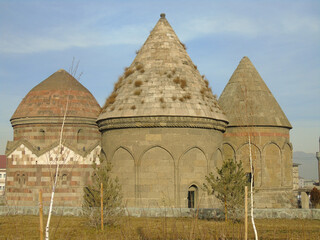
137	92
183	45
206	82
26	227
176	80
187	96
183	83
118	84
139	66
137	83
110	100
128	72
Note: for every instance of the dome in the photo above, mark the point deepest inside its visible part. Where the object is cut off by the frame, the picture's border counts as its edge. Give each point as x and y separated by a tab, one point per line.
162	81
49	99
247	101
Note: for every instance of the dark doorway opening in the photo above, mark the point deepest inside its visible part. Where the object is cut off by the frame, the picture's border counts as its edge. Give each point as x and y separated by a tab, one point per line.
192	196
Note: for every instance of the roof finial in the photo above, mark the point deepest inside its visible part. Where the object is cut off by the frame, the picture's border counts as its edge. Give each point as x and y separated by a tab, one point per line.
163	15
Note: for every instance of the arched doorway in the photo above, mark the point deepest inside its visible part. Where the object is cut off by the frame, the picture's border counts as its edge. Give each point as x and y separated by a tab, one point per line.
192	196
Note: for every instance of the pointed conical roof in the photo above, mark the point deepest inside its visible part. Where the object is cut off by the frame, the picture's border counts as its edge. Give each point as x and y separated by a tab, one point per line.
162	81
247	101
49	98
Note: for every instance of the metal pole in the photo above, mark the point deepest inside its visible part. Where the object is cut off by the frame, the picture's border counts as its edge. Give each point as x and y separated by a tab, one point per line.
101	191
245	213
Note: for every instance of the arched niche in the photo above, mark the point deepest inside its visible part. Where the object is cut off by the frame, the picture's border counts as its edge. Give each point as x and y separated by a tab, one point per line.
228	151
123	168
272	166
192	168
156	178
287	166
243	155
42	137
81	138
216	161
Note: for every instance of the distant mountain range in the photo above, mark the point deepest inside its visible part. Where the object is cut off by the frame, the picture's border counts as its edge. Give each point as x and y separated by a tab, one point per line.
309	164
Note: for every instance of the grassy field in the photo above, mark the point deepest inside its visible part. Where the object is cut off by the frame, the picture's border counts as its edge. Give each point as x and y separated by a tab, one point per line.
27	227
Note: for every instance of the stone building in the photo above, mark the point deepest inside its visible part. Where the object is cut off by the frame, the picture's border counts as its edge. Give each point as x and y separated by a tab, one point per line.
3	172
254	115
32	155
161	128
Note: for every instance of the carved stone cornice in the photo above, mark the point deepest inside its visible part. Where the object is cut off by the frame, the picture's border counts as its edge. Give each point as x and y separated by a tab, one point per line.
13	145
52	120
161	122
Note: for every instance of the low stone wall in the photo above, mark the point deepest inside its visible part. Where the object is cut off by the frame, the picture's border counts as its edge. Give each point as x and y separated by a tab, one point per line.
203	213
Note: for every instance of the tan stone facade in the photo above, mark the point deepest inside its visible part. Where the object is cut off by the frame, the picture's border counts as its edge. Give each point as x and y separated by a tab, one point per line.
272	161
158	166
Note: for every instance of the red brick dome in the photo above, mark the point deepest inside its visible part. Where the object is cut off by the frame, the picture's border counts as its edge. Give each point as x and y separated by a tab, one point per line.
49	99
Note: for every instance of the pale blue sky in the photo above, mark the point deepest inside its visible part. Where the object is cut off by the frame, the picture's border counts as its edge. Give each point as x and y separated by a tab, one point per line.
282	39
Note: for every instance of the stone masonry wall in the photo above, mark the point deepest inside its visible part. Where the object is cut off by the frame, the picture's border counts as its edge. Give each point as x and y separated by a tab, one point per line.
157	166
272	160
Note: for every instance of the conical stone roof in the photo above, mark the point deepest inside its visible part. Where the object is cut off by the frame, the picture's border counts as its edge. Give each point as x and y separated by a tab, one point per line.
247	101
49	98
162	81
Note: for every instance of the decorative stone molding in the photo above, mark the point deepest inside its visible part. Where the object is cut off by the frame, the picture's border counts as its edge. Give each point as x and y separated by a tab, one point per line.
161	122
52	120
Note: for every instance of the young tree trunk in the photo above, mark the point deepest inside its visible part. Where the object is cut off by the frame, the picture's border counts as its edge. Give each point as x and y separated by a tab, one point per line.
59	158
251	191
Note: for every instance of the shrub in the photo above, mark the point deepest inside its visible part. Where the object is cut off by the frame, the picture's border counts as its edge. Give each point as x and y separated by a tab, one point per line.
228	186
161	100
133	107
174	98
137	83
112	197
315	197
181	99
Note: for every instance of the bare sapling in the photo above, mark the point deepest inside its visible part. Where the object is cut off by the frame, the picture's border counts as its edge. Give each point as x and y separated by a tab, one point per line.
59	158
251	165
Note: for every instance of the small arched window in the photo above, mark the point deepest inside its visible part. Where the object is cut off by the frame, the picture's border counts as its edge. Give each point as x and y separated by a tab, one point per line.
64	179
42	136
80	136
192	196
